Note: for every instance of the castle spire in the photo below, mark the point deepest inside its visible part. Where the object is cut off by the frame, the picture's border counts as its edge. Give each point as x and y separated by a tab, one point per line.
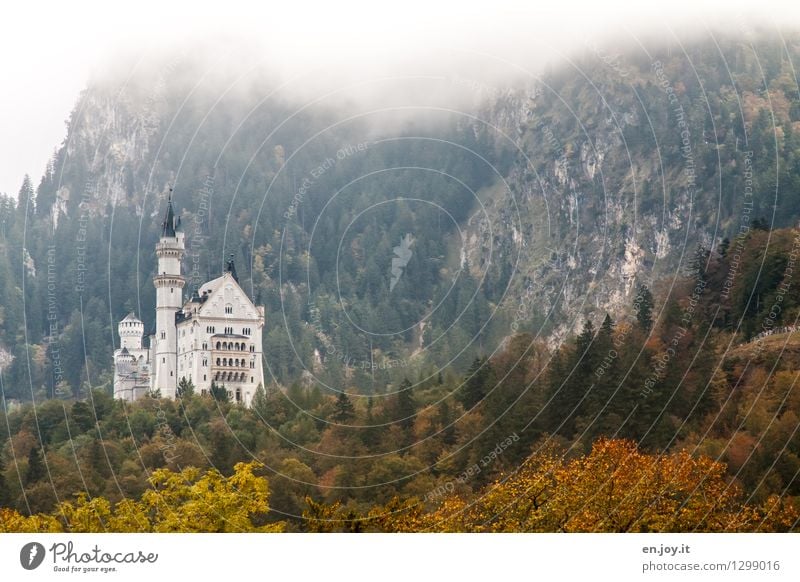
231	268
168	226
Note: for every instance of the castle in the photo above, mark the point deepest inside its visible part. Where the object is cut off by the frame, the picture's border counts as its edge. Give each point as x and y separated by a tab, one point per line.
214	336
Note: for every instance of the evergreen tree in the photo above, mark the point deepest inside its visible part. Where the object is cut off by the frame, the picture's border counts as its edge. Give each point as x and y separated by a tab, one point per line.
185	388
82	416
607	327
97	460
5	492
343	409
643	304
405	405
218	392
259	404
476	384
25	203
35	470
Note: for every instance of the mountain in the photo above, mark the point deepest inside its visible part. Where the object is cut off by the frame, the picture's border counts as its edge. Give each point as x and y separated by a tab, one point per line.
533	205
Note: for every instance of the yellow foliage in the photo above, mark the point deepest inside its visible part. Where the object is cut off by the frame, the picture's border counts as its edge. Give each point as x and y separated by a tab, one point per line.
189	501
615	488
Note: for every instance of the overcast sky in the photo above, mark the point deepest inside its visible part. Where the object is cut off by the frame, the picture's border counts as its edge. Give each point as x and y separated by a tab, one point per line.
50	49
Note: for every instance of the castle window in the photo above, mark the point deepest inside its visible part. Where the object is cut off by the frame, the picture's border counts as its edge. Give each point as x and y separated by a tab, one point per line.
205	346
217	361
246	331
163	360
237	362
253	348
229	309
217	345
171	289
251	379
252	365
238	395
204	379
163	335
205	362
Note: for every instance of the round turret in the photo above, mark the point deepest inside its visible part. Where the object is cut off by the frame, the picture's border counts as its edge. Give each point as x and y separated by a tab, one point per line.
131	330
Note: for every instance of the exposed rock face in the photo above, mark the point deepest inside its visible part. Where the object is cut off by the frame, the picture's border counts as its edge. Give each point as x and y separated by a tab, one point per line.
599	189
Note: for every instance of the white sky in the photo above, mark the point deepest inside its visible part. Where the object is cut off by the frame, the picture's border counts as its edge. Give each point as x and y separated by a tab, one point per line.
48	49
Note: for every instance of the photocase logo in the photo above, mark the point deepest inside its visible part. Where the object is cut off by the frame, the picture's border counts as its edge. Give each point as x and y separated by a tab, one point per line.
31	555
403	252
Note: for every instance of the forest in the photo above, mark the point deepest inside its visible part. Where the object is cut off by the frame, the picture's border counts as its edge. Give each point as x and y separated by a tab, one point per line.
681	416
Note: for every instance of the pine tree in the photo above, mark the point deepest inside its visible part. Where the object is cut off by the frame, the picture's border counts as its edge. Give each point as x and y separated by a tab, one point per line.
35	471
405	405
343	409
607	327
82	416
476	384
25	203
185	388
260	405
643	304
218	392
5	492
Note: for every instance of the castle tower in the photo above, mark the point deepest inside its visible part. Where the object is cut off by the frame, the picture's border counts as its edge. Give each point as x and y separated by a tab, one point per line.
131	331
169	298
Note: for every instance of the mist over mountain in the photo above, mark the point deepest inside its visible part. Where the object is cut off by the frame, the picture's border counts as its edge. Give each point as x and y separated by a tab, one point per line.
534	202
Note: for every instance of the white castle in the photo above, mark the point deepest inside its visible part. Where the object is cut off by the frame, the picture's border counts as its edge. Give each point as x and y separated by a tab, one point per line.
215	336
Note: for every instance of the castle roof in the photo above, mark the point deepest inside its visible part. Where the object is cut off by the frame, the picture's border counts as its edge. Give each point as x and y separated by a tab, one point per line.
231	268
170	224
132	317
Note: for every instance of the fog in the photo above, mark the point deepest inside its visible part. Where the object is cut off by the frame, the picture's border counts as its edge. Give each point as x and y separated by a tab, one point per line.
371	53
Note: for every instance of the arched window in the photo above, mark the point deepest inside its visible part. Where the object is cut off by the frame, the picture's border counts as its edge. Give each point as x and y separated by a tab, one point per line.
217	345
217	361
238	395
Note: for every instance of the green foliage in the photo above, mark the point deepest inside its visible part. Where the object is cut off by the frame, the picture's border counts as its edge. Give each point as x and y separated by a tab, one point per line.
218	392
35	470
643	306
185	388
343	410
